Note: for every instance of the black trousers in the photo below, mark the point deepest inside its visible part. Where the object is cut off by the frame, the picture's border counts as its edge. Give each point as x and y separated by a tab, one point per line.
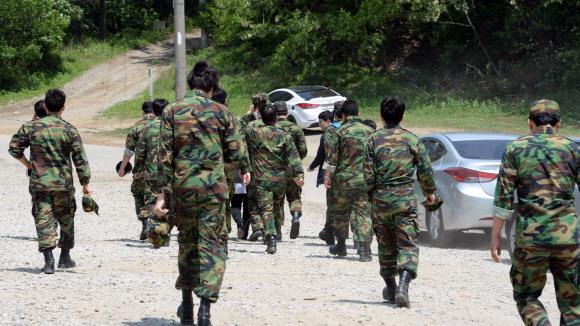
241	217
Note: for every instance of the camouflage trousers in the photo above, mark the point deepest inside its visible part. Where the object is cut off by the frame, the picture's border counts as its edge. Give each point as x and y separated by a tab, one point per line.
352	205
202	255
138	187
50	210
528	276
394	215
253	208
270	198
293	196
330	203
158	229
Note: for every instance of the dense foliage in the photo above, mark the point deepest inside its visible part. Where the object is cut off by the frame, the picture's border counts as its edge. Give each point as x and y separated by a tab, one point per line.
31	31
505	46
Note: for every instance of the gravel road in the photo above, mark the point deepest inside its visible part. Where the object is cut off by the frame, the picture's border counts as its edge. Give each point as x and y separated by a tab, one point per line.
122	281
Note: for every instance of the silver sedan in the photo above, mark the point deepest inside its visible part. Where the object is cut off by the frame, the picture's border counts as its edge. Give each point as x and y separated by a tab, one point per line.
466	165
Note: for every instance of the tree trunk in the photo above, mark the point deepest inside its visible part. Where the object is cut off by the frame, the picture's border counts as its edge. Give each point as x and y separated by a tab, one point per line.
102	19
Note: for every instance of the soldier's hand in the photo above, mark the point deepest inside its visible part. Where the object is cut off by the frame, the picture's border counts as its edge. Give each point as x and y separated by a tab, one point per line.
121	172
246	178
327	183
160	209
496	248
431	198
87	190
299	182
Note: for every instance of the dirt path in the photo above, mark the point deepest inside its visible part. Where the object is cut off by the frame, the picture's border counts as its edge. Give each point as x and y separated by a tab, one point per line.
119	79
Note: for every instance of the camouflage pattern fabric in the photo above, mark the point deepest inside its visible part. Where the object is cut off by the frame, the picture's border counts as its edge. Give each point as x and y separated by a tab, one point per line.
53	142
158	228
346	163
197	137
138	187
293	191
260	100
354	209
147	153
50	210
543	168
392	156
545	106
528	275
132	141
274	158
253	208
330	144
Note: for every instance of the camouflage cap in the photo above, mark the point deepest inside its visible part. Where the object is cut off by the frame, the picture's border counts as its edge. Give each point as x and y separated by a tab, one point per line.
90	205
431	207
281	108
260	100
544	106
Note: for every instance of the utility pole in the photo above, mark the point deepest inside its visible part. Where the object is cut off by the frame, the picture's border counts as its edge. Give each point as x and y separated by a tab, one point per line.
180	60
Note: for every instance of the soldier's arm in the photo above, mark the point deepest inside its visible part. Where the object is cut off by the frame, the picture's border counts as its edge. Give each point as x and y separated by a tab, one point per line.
368	168
505	187
233	146
18	144
293	159
166	147
424	170
79	158
300	141
577	154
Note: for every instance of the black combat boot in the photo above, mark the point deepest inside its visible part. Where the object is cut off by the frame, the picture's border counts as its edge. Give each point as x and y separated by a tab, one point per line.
295	229
364	252
339	249
185	310
278	232
256	235
143	235
271	244
48	262
203	315
327	235
402	293
64	261
389	290
356	246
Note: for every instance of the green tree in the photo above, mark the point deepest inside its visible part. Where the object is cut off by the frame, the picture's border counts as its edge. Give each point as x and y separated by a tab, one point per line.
30	33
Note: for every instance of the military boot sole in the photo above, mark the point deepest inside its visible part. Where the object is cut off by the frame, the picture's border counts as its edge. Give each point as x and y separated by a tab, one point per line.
256	236
184	321
295	229
402	300
72	264
335	252
271	251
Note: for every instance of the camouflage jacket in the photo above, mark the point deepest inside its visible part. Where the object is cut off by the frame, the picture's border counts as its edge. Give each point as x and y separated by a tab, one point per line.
197	137
347	159
543	168
273	154
392	155
246	119
330	137
147	151
132	141
297	136
53	142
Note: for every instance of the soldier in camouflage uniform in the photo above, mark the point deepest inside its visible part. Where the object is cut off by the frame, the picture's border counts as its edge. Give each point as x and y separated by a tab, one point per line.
274	160
345	174
197	137
248	122
330	138
293	191
543	168
53	142
392	156
147	151
138	185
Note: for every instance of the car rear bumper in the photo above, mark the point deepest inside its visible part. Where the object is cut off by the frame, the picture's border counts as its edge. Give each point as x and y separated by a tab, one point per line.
467	206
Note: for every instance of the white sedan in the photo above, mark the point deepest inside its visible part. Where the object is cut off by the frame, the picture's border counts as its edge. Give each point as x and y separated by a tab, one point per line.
305	103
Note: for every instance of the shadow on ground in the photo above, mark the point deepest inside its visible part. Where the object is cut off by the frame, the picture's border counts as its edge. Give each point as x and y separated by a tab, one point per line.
150	321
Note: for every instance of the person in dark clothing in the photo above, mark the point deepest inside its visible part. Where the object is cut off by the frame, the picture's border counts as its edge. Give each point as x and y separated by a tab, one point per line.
239	199
325	119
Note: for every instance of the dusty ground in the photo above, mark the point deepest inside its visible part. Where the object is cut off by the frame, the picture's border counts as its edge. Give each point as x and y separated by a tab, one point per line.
122	281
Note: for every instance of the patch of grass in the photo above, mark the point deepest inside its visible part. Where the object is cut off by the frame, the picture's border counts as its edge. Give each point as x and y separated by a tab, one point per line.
434	110
78	58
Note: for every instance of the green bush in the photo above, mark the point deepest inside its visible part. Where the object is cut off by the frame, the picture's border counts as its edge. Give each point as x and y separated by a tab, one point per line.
30	33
